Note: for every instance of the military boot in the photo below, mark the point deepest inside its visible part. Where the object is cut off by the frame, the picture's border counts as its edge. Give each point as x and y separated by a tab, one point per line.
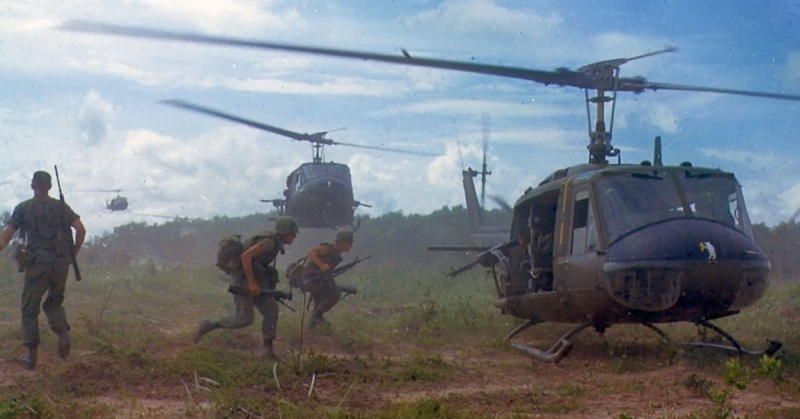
204	327
29	361
64	345
268	353
315	320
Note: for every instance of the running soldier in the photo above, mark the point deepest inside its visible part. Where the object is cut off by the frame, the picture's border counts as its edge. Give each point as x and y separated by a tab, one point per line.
257	274
324	291
45	225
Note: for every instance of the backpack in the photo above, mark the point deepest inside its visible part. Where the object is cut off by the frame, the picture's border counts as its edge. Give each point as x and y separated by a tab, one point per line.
294	272
229	253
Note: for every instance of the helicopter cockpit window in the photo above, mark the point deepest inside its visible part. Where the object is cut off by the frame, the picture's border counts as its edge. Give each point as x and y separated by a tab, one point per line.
632	200
584	230
718	198
325	170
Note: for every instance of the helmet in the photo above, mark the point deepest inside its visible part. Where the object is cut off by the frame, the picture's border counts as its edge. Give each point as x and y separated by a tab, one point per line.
286	225
343	236
41	179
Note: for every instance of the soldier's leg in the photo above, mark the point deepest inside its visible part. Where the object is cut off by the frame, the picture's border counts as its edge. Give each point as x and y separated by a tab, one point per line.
242	316
326	297
268	308
32	292
53	306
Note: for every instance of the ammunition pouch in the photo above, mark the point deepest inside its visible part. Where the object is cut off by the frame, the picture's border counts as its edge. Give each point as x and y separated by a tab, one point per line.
24	257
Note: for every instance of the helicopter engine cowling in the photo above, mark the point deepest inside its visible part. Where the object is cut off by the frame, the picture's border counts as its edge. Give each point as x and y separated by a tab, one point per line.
685	269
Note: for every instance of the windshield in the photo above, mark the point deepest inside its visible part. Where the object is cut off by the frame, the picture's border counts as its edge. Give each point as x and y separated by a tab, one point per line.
632	200
716	197
336	171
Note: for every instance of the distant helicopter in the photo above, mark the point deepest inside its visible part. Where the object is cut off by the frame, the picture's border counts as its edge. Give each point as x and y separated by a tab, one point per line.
118	203
318	194
600	244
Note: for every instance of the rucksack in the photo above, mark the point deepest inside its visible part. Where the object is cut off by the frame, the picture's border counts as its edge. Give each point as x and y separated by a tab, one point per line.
229	253
294	272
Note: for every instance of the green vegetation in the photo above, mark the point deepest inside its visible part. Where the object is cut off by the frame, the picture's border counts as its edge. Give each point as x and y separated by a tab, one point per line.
411	344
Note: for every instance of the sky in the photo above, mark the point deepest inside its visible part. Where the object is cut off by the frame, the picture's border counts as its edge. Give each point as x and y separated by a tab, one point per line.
90	103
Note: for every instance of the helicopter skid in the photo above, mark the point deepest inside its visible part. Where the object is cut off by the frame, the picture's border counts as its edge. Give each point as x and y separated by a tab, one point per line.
556	353
773	345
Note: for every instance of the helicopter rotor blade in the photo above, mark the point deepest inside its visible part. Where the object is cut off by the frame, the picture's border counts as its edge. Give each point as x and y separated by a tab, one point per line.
682	87
314	138
393	150
562	76
502	203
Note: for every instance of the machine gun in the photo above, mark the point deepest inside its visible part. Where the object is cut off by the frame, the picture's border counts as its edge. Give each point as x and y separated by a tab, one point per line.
68	231
487	258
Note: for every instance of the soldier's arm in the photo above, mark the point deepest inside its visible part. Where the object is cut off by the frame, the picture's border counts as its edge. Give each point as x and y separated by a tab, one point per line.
6	235
80	234
314	255
247	263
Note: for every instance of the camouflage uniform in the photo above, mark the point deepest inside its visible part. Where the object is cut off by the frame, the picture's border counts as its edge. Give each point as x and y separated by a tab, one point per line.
267	278
44	221
324	291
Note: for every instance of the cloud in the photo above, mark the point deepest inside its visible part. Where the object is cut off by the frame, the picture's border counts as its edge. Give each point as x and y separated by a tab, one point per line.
464	17
93	117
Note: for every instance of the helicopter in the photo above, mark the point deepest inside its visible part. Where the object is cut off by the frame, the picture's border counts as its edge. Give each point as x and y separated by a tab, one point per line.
319	193
481	236
642	244
118	203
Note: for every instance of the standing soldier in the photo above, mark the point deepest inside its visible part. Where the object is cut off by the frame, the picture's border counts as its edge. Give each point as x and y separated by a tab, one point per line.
325	293
44	225
256	276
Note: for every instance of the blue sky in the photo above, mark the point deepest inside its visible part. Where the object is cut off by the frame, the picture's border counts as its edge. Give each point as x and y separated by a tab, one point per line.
89	103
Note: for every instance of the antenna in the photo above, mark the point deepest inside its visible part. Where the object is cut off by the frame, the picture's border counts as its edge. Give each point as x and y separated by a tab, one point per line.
657	152
458	142
486	122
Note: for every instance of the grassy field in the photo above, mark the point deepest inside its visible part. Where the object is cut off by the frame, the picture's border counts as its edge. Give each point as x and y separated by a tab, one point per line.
409	344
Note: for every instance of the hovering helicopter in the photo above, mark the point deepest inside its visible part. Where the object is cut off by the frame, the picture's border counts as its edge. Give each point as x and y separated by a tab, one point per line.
599	244
318	194
118	203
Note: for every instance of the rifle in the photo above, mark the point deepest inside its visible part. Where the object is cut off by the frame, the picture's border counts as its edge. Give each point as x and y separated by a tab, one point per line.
334	273
280	296
487	258
68	231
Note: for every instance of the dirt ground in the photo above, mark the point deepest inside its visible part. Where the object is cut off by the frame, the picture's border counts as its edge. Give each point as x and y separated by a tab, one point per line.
599	379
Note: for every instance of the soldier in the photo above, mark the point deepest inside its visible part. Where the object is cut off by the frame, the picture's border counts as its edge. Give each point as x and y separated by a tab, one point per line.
257	275
325	293
43	223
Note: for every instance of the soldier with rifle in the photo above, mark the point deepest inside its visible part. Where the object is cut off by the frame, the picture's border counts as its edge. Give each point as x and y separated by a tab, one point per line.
316	276
254	285
45	225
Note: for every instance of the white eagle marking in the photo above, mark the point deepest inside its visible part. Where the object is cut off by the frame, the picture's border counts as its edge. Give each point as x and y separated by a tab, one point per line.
707	246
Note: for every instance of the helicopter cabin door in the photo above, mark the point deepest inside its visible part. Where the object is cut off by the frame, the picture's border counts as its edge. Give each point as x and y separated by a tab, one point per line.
576	259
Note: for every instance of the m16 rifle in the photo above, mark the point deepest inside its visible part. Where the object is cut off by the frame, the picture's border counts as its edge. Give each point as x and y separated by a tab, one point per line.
315	276
68	231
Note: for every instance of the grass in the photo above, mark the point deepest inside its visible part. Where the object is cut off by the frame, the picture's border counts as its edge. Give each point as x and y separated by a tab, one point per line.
406	332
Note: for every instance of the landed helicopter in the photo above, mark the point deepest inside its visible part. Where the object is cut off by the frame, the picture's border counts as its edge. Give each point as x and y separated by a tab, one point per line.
318	194
599	244
118	203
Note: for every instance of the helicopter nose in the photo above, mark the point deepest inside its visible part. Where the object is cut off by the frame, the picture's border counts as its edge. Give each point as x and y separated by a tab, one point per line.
689	264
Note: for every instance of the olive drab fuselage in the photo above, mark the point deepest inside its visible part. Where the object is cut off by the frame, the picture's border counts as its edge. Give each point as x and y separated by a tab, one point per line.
320	195
635	244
